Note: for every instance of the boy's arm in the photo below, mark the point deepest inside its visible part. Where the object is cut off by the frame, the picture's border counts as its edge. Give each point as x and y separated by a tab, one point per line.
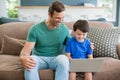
68	55
90	56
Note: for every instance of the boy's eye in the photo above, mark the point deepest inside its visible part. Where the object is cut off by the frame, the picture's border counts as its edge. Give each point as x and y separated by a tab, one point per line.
82	34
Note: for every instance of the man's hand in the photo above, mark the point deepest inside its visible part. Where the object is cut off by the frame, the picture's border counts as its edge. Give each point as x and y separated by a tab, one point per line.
27	62
25	58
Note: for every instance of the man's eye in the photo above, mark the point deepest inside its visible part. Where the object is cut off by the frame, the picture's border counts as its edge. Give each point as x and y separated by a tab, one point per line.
83	34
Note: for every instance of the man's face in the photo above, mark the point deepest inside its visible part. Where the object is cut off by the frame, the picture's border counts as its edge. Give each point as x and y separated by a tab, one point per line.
57	18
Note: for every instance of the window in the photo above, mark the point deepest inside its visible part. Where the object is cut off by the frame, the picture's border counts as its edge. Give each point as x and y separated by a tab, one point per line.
110	13
12	11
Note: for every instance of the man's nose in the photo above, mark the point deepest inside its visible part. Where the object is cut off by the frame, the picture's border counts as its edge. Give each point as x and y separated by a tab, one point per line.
61	20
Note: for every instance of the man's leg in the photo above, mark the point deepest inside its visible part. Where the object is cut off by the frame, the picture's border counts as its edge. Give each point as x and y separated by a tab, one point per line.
33	74
61	66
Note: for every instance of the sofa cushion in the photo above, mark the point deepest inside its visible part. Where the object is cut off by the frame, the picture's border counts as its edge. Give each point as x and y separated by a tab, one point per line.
11	46
10	63
110	70
11	69
105	41
17	30
107	72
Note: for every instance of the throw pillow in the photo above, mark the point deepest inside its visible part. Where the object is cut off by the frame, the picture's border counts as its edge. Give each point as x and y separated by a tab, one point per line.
11	46
105	41
7	20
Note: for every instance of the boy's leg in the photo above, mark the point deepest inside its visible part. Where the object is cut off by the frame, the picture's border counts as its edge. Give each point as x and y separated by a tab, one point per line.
88	76
61	66
72	76
33	74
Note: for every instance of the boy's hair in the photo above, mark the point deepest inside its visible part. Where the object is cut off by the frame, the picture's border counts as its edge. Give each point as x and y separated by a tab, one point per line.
56	6
82	25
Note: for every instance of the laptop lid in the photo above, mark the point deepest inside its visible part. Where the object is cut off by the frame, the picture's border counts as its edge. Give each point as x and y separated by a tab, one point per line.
85	65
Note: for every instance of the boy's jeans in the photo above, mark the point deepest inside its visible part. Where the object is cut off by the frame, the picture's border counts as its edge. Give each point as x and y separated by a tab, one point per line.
59	63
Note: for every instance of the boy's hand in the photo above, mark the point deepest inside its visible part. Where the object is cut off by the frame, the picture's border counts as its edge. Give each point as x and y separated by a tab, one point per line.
92	46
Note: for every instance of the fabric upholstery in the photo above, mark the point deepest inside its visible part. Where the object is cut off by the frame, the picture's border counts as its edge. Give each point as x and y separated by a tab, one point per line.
11	46
14	29
11	68
69	24
92	24
105	41
100	24
118	49
10	63
110	70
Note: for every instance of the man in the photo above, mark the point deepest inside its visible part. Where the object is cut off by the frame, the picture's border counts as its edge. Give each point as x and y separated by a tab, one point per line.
46	40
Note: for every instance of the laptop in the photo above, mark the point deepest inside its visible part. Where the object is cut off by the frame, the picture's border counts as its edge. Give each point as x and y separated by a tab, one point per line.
86	65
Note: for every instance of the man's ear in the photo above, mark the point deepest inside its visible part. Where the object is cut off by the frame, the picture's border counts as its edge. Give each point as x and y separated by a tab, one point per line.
49	14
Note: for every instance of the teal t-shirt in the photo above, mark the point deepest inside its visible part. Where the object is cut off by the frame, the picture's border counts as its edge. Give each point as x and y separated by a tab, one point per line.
47	42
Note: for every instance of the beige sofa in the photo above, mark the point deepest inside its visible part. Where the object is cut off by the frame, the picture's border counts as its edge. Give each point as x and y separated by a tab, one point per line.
12	39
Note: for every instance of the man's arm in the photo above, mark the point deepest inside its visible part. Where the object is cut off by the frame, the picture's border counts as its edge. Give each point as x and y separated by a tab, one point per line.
25	57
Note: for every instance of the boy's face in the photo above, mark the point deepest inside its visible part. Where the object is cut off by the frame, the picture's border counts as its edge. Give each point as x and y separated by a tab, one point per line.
80	36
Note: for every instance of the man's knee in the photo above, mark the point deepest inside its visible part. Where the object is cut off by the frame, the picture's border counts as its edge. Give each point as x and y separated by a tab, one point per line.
63	61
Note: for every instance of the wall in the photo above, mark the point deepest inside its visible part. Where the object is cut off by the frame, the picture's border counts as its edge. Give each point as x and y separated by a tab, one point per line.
3	11
39	13
48	2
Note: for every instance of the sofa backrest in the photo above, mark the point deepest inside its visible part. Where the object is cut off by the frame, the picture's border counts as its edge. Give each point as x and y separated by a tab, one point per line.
100	24
19	30
14	29
92	24
96	24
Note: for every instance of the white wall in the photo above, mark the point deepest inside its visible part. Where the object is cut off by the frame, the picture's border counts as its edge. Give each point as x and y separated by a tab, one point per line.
3	10
72	13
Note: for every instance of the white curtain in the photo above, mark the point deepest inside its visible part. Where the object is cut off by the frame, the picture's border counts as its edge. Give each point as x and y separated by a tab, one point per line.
3	10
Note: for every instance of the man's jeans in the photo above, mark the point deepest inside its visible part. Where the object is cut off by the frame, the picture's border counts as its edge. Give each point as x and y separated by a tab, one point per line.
60	64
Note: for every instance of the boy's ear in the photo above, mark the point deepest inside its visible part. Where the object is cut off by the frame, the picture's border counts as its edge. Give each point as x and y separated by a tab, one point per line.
72	33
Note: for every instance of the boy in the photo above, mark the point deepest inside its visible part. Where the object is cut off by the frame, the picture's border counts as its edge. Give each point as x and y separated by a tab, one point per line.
79	46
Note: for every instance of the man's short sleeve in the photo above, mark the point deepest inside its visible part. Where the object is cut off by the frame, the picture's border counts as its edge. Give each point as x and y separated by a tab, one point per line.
31	36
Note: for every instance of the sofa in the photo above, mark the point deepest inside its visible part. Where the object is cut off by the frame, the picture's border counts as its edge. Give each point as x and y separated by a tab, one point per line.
12	40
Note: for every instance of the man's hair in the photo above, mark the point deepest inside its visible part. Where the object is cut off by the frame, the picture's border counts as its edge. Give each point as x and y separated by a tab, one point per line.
82	25
56	6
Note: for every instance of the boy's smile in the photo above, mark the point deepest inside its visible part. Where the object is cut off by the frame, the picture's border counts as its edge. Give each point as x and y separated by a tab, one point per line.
80	36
